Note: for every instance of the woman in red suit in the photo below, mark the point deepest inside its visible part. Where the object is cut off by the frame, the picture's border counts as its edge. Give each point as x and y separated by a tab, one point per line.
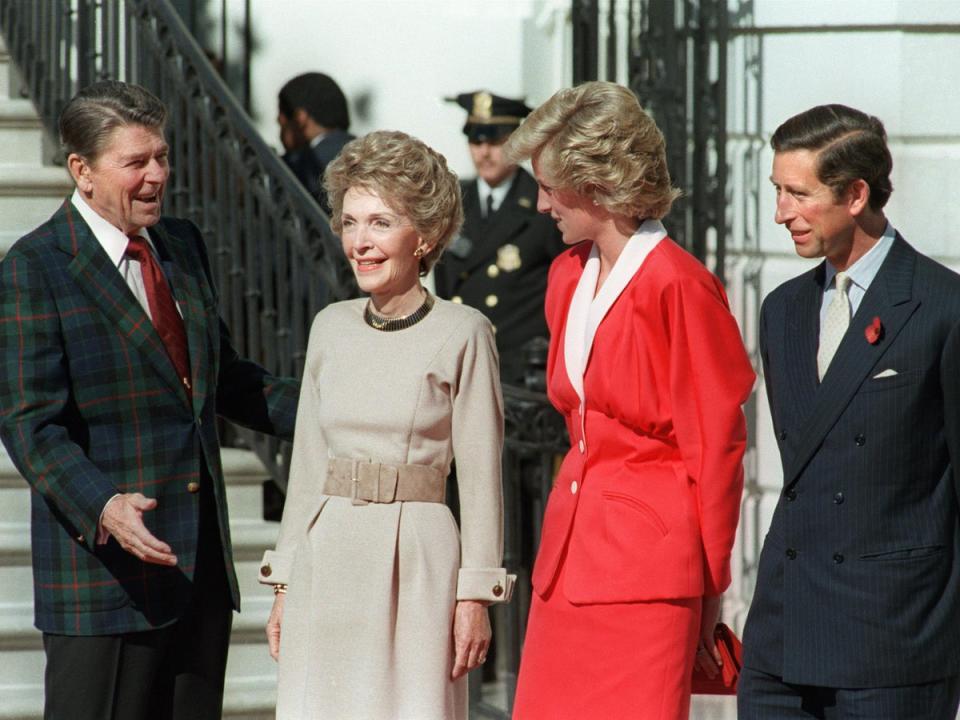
648	368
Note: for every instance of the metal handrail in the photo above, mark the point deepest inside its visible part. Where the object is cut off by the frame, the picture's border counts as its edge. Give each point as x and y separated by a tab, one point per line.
275	260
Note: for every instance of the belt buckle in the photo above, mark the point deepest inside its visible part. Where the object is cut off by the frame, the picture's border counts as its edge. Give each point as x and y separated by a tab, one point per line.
355	498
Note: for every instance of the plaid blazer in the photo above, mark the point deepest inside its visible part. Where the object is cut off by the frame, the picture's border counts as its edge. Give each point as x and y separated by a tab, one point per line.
91	406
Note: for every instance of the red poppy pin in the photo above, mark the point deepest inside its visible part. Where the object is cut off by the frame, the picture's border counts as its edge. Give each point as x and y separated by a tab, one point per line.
874	331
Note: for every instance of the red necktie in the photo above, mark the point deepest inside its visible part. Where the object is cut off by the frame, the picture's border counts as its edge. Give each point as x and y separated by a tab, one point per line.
166	319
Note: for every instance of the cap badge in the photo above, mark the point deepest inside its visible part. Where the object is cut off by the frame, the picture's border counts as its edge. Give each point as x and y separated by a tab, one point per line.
482	105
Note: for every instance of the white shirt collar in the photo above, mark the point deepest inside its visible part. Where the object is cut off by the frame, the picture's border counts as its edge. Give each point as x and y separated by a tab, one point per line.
498	193
114	241
865	269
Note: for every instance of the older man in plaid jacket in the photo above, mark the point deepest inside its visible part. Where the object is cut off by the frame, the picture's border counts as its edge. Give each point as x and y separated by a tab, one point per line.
113	367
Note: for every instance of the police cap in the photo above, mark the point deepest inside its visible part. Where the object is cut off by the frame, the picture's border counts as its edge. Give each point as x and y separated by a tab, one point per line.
490	117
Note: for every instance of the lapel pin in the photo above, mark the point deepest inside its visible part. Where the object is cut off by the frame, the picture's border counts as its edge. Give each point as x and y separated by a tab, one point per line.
874	331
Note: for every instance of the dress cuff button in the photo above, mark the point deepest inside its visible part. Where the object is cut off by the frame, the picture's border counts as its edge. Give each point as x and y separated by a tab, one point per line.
497	590
266	571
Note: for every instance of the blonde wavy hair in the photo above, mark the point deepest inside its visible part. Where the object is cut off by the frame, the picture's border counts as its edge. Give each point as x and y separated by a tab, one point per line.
597	141
409	176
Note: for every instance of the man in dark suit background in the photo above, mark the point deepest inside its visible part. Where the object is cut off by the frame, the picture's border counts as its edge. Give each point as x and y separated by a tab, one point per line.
499	262
114	367
856	612
314	120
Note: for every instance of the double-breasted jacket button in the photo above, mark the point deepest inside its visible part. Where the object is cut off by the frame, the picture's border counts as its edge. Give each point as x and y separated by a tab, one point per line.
193	487
790	495
838	498
266	570
457	299
837	558
491	301
782	435
497	590
791	553
492	271
573	487
860	440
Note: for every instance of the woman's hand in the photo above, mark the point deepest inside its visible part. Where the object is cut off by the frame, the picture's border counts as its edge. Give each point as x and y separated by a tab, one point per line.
273	625
708	657
471	636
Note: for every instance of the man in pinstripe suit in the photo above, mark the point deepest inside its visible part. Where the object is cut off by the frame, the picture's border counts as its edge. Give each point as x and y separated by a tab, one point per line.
856	612
113	367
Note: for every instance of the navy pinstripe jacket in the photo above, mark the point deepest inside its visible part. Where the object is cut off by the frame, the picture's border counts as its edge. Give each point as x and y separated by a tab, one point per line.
90	405
859	577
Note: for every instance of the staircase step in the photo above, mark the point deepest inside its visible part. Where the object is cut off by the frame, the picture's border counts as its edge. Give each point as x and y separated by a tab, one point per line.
243	472
244	699
29	195
21	132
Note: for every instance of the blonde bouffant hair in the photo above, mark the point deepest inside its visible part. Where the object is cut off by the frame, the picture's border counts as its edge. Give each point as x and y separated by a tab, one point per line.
597	141
410	177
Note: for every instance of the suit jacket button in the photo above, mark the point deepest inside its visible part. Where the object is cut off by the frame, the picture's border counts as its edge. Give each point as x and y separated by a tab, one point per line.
266	571
860	440
492	271
193	487
838	498
491	301
790	495
573	487
837	558
457	299
497	590
791	553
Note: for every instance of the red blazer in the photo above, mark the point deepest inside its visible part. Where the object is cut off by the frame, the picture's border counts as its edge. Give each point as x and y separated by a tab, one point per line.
647	500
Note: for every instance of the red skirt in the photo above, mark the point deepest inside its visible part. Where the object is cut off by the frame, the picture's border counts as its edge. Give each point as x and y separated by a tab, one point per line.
617	660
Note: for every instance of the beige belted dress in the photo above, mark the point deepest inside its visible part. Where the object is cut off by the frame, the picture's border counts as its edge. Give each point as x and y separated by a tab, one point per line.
368	617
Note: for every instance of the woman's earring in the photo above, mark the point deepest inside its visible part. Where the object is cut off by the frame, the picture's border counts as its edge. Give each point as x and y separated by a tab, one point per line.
418	252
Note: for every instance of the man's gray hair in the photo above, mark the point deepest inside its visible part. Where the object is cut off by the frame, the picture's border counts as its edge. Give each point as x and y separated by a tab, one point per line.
92	115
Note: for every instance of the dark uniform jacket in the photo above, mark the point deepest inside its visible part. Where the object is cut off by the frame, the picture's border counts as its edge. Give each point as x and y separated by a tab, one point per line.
310	162
859	579
499	265
91	406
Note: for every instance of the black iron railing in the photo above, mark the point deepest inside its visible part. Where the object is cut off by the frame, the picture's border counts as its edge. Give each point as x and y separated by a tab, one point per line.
275	258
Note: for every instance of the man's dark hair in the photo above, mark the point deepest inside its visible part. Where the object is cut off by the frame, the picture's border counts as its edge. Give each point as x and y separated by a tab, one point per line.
850	145
319	96
92	115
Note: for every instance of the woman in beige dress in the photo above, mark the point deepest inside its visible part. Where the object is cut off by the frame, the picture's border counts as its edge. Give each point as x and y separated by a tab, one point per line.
381	604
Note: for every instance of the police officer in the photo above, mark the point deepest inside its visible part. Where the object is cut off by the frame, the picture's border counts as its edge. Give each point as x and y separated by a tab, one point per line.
499	262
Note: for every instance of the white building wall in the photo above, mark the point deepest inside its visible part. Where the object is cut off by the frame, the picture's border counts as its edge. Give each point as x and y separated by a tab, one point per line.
396	60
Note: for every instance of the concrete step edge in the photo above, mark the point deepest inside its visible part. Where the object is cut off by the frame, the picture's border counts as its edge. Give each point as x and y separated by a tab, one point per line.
240	467
17	113
34	181
250	539
249	698
17	632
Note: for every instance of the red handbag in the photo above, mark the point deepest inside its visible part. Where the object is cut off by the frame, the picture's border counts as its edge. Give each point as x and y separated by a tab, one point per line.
731	651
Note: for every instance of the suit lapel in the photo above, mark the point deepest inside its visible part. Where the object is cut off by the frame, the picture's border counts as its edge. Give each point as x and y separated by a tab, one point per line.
190	301
803	329
100	281
888	298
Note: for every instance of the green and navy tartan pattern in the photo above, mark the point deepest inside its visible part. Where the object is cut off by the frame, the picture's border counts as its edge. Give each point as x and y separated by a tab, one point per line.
90	405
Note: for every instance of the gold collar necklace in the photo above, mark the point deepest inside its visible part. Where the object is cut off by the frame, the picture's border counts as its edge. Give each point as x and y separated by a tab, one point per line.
390	324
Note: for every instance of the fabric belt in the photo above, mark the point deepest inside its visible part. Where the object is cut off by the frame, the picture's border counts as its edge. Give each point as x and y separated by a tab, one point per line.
367	482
